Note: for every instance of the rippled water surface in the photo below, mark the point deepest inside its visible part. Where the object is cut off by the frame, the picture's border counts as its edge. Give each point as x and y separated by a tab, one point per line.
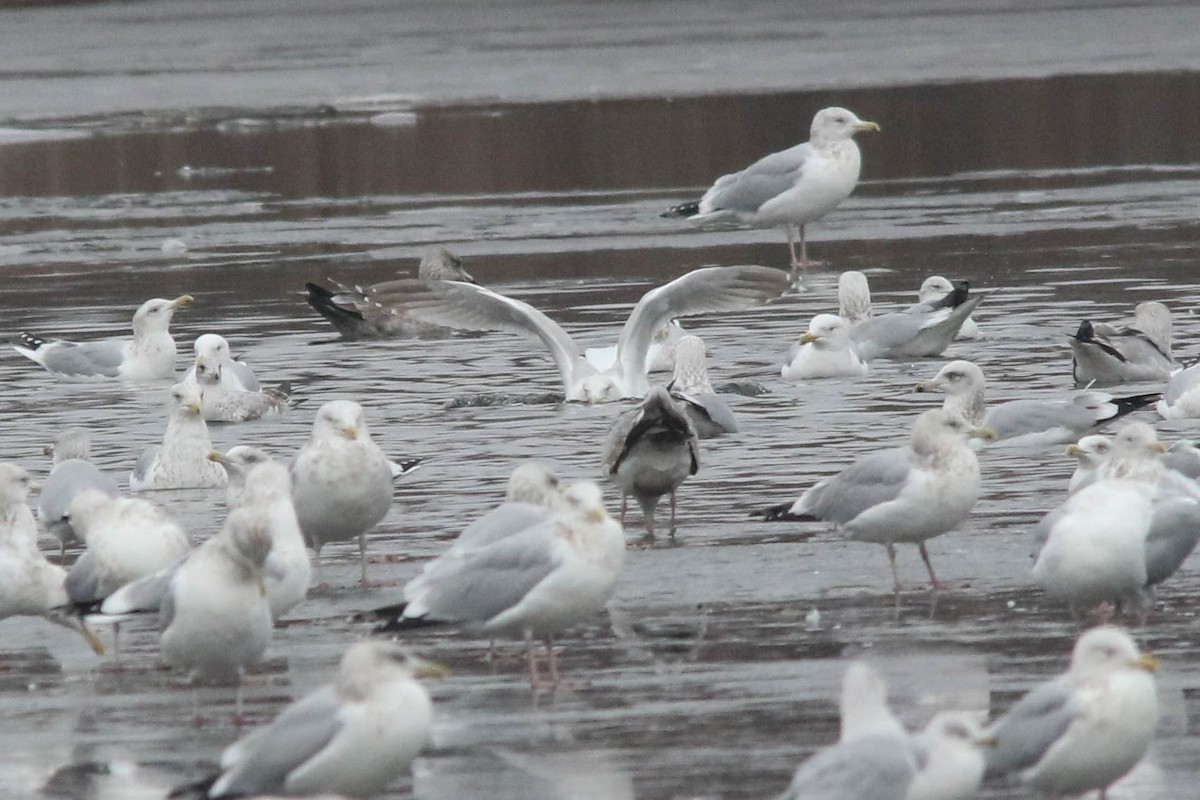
711	679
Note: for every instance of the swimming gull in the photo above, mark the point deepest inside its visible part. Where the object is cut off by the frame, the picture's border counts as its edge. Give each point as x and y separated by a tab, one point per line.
792	187
72	472
356	317
181	461
701	291
1104	355
1086	728
212	355
824	351
902	494
649	452
710	414
923	330
950	758
351	737
934	288
221	403
854	296
1032	422
29	584
341	480
149	355
535	583
1181	398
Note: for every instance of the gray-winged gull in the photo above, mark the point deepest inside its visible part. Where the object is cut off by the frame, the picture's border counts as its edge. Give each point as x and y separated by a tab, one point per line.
950	758
221	403
1089	453
72	472
924	330
824	351
936	287
1104	355
1181	398
212	355
710	414
792	187
181	461
149	355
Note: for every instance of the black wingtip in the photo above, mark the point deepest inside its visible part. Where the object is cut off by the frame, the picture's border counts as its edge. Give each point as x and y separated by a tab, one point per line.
321	299
198	789
682	210
1127	405
781	513
401	624
30	340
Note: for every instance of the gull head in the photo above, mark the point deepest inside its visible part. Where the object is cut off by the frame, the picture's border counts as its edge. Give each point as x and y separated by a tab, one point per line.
854	296
826	331
155	315
936	428
1107	649
933	288
691	369
586	500
834	123
957	727
370	665
599	388
71	443
340	419
1091	450
1136	453
185	400
958	378
439	264
533	483
14	484
238	461
211	352
86	507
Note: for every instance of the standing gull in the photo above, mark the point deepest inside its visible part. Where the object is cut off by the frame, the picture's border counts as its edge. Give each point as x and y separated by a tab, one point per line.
237	462
1085	729
341	480
824	351
792	187
701	291
72	472
650	451
950	756
351	737
355	317
150	355
1104	355
29	584
1028	421
1089	453
689	385
903	494
181	461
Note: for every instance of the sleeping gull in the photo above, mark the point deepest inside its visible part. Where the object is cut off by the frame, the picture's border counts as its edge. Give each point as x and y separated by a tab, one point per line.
1086	728
902	494
1181	398
701	291
351	737
950	757
212	355
1033	422
689	385
29	584
649	452
341	480
824	351
181	461
854	296
792	187
924	330
1104	355
355	317
934	288
72	472
534	583
149	355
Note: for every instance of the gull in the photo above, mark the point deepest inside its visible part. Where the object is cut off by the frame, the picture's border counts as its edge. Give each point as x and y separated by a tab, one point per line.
701	291
660	356
950	758
933	289
902	494
1104	355
221	403
854	296
792	187
824	351
1183	457
351	737
72	472
150	355
1089	452
341	480
534	583
29	584
181	461
356	317
237	462
212	355
710	415
1181	398
1032	422
924	330
1086	728
649	452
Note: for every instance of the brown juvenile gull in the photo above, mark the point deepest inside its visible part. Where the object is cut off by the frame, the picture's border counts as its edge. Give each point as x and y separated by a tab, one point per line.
650	451
792	187
149	355
355	317
1104	355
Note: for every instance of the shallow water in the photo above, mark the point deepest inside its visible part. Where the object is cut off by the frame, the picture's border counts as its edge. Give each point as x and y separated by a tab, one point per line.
711	680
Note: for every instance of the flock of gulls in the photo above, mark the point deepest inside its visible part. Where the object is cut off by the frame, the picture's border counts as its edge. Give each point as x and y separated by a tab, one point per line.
548	557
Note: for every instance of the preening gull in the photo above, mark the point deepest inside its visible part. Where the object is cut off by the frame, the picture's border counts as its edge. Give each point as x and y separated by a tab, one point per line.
29	584
649	452
1028	421
824	351
341	480
1104	355
356	317
351	737
701	291
924	330
534	583
903	494
212	356
710	414
933	289
181	461
149	355
792	187
72	472
1086	728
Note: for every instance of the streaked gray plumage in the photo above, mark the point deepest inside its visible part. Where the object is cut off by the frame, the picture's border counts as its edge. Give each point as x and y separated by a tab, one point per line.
710	414
1105	355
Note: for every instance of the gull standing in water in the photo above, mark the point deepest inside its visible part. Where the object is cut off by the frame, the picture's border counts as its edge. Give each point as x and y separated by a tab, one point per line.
181	461
701	291
341	480
689	385
903	494
150	355
650	451
1085	729
792	187
29	584
1104	355
72	472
